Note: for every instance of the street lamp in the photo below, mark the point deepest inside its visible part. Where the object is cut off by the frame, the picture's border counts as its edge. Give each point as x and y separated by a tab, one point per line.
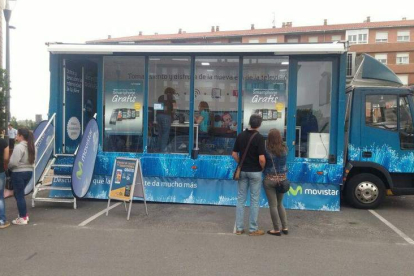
7	14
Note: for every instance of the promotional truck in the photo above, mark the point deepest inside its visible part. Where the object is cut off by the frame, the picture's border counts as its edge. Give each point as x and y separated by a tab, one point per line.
356	137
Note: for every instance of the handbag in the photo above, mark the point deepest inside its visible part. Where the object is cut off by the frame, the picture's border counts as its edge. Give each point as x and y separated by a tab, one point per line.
280	186
236	175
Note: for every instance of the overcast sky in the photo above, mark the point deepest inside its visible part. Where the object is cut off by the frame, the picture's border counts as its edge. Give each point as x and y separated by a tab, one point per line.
40	21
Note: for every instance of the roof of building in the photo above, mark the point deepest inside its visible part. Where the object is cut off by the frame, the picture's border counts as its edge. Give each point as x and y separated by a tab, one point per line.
259	32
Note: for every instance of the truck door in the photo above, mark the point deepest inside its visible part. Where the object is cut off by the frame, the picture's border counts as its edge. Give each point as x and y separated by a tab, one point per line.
387	130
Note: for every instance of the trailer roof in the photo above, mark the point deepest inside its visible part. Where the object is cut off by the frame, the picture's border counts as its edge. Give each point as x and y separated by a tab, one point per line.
276	49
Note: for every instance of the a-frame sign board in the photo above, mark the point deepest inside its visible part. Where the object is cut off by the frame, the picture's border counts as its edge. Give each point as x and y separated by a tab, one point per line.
127	182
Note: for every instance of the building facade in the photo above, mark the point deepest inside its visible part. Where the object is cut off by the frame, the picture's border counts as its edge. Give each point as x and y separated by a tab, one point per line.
391	42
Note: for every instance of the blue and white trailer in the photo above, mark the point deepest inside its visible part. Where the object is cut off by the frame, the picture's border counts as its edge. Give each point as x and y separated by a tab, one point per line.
299	89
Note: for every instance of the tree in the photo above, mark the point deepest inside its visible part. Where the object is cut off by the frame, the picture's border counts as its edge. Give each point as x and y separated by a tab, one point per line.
4	86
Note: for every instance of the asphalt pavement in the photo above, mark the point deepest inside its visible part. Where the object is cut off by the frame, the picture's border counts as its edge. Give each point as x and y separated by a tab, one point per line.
179	239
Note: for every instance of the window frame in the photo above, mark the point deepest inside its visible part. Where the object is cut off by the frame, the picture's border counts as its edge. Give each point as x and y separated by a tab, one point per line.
292	109
380	59
365	108
401	56
381	40
400	37
410	110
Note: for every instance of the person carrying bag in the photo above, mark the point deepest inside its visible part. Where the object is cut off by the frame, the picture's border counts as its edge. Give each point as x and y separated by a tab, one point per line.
251	146
275	182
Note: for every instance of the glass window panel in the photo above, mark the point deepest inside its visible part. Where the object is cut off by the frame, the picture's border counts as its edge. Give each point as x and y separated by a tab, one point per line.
336	38
265	91
381	58
124	98
406	125
313	39
215	104
381	111
313	113
381	37
168	104
403	58
403	36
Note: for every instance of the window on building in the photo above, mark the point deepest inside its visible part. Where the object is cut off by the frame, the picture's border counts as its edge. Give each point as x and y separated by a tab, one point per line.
403	36
216	104
406	125
357	36
381	58
336	38
124	98
168	104
265	91
235	40
403	58
362	38
403	79
253	41
271	40
313	113
381	37
313	39
293	40
352	39
381	111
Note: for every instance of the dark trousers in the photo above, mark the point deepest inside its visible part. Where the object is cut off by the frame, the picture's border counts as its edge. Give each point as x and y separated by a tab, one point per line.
19	181
164	126
11	143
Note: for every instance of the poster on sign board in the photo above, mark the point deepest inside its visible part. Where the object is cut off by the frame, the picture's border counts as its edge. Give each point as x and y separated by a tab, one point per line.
126	182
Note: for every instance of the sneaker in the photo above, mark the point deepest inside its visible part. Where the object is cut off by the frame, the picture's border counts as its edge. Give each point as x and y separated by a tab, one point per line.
4	224
241	232
20	221
257	233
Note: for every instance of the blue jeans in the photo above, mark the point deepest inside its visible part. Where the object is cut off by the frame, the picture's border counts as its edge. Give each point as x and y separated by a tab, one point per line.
2	205
164	126
19	181
254	180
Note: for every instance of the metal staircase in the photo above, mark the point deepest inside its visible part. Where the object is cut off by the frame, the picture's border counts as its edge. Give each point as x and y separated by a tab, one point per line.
45	181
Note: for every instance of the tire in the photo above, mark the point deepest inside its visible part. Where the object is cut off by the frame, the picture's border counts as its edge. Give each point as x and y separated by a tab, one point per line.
365	191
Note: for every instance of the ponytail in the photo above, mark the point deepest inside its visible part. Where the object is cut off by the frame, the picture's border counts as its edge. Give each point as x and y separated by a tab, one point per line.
28	137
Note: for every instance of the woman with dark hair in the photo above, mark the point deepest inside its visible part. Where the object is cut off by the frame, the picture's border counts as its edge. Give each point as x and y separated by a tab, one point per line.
21	164
276	165
203	120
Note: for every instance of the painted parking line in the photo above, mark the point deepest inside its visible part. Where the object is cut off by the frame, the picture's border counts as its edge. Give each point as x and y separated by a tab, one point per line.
390	225
85	222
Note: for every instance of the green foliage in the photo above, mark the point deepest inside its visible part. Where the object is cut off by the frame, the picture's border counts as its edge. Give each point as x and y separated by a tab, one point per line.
4	86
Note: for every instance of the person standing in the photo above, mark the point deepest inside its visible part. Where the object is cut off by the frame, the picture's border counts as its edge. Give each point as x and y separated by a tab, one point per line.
251	173
165	117
21	164
11	132
276	165
4	156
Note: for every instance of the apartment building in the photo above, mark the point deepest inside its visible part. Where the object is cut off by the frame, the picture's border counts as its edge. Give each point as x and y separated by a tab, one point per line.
391	42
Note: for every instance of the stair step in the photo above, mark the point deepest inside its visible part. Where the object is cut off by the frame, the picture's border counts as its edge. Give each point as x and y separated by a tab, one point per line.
62	200
43	188
62	176
61	166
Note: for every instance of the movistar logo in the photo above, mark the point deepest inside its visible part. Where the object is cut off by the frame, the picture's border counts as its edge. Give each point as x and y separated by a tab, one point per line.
79	173
296	191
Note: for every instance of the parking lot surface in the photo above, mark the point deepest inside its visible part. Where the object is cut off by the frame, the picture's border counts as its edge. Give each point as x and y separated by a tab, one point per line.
178	239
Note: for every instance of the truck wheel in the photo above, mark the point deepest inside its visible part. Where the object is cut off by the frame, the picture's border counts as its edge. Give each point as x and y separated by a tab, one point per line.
365	191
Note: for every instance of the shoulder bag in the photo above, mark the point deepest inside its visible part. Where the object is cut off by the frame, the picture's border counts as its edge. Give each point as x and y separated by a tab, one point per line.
281	186
236	175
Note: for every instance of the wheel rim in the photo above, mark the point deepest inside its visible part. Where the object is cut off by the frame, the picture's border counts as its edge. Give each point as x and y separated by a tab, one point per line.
366	192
